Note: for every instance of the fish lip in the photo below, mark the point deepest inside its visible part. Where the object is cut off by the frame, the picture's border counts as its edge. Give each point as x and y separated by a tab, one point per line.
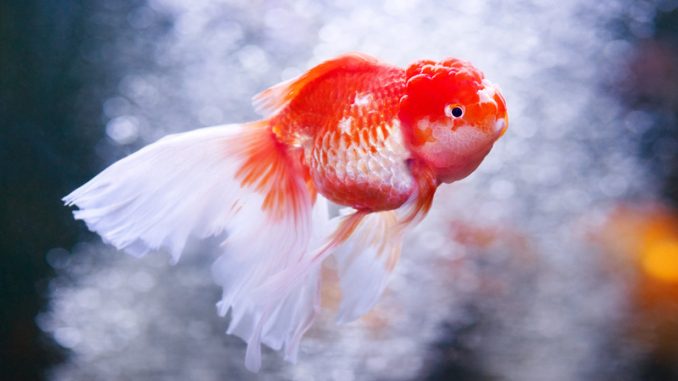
500	126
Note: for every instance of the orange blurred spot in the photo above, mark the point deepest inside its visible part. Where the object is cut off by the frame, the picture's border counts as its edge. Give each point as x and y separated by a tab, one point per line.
641	243
660	260
485	236
647	235
472	235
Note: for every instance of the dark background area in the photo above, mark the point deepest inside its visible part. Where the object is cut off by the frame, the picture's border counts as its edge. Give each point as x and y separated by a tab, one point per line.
51	128
49	125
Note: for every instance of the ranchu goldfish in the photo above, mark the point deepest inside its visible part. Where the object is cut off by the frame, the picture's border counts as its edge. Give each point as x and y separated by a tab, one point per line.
358	132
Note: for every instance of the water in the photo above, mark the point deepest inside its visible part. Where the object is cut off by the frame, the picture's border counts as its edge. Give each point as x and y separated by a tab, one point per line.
524	299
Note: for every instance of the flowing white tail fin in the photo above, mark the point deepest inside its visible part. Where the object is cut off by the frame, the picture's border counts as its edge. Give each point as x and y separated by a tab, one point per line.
234	179
200	183
278	319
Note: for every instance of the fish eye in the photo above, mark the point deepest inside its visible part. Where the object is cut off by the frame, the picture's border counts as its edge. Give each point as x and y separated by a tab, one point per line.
455	111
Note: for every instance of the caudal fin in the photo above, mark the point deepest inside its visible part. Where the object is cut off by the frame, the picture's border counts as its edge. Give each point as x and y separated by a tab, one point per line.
233	179
280	318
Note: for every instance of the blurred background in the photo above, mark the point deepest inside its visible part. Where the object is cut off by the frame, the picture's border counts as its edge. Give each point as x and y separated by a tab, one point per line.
556	260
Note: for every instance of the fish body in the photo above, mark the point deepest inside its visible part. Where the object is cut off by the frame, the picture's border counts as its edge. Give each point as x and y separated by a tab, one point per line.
346	123
363	134
345	116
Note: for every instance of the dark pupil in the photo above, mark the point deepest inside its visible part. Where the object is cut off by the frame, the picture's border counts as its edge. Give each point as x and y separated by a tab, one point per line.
456	112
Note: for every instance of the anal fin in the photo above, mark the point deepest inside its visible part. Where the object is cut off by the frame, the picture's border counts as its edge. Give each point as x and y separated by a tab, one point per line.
365	262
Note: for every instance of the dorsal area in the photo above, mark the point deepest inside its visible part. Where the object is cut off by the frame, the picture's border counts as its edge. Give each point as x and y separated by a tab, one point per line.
328	92
273	99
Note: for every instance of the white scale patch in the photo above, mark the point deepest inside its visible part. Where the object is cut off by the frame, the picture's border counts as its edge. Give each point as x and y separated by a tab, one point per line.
385	169
389	163
362	99
460	140
345	125
487	93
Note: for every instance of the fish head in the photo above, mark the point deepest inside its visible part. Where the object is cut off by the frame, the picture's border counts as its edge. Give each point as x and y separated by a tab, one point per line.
451	116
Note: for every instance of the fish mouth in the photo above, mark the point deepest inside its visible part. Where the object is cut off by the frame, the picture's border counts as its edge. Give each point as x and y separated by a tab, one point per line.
500	127
501	124
490	93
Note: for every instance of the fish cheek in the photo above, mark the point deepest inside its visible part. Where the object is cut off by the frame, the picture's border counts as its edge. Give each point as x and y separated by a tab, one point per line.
423	135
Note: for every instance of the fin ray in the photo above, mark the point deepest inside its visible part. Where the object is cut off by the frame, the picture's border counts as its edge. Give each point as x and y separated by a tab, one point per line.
365	262
278	320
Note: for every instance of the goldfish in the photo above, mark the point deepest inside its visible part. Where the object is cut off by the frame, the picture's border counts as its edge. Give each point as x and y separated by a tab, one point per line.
373	138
